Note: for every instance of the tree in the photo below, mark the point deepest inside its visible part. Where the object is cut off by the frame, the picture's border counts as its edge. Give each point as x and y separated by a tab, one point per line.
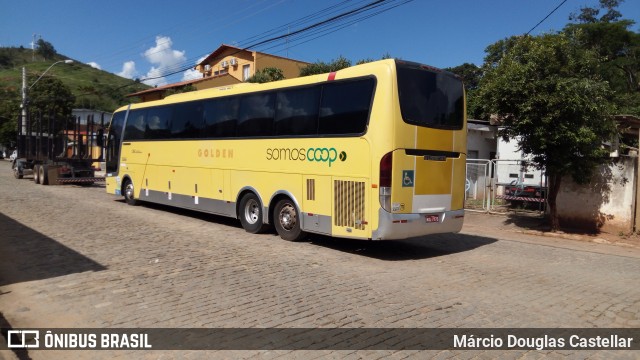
266	75
180	90
9	111
610	37
471	75
45	49
368	60
51	98
590	14
548	94
320	67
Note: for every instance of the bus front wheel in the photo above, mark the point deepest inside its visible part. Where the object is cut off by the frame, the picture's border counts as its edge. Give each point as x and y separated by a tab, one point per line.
129	193
286	220
250	214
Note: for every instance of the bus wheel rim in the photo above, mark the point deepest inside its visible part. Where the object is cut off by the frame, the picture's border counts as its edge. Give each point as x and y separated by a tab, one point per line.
252	211
287	217
128	191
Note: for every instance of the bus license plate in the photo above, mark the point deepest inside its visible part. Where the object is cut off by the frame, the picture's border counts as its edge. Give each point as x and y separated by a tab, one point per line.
432	218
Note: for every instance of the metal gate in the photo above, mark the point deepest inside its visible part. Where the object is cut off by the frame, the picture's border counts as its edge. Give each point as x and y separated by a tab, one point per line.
478	185
504	185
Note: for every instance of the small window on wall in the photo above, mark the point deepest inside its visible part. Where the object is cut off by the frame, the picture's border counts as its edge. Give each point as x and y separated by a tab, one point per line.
245	72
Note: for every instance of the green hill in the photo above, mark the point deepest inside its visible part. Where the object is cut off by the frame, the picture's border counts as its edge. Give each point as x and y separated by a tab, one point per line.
93	88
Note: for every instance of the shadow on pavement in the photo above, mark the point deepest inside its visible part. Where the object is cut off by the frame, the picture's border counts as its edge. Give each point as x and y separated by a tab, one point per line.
27	255
527	222
540	223
219	219
423	247
410	249
21	354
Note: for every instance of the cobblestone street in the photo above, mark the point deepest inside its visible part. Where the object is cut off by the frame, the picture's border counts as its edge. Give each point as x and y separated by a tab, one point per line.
76	257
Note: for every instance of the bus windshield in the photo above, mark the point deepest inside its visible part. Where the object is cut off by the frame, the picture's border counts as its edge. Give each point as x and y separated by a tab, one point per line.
430	97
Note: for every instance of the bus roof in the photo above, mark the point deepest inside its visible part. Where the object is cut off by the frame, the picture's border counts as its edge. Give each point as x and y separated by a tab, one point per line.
353	71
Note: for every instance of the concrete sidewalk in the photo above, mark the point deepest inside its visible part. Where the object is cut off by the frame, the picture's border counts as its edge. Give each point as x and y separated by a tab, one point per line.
534	224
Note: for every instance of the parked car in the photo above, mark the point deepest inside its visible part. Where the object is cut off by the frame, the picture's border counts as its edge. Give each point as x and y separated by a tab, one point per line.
521	191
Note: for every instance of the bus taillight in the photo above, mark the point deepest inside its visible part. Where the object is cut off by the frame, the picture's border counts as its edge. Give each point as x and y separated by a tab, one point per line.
386	164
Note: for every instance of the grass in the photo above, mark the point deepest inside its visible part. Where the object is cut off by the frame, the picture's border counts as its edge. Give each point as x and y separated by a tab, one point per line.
93	88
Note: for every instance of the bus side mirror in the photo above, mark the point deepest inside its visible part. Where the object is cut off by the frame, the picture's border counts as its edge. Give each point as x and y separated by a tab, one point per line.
100	138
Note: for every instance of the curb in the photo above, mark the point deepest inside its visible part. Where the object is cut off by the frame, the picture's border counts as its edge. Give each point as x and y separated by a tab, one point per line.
582	238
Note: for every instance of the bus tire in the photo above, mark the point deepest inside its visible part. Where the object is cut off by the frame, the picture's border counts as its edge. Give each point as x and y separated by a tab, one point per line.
286	220
36	174
250	214
43	175
129	193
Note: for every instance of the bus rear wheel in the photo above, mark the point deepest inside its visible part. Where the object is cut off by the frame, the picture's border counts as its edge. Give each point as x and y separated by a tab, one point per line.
286	219
250	214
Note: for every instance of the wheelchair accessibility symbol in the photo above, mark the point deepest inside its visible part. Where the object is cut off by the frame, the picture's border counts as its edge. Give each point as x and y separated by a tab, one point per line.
407	178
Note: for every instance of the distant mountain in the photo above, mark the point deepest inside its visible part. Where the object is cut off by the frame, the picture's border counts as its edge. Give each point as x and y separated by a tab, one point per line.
93	88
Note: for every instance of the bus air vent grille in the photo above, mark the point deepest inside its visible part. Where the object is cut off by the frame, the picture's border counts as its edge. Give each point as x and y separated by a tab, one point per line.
311	189
349	204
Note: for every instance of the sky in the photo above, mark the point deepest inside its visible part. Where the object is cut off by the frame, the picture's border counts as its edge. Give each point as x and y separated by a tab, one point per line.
148	39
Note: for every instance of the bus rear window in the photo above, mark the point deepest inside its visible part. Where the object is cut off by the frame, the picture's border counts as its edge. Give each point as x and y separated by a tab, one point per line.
429	98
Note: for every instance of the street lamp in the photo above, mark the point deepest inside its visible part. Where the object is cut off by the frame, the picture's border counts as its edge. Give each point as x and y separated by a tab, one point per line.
24	91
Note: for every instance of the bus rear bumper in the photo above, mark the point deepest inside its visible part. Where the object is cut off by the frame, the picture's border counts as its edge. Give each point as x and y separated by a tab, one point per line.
402	226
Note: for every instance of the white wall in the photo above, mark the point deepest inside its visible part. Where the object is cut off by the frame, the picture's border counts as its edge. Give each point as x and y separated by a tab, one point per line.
509	166
483	141
605	204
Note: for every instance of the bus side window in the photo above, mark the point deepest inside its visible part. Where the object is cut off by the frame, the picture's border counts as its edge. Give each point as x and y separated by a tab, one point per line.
345	107
255	117
136	125
297	111
158	123
221	117
187	121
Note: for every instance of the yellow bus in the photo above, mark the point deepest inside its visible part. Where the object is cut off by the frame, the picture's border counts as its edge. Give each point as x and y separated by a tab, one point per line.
374	151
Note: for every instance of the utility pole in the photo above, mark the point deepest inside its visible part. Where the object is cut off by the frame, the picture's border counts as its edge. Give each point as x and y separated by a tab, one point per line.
23	105
23	130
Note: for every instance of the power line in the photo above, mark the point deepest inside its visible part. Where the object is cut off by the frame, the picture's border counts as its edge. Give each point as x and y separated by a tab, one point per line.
354	15
244	44
193	26
545	18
